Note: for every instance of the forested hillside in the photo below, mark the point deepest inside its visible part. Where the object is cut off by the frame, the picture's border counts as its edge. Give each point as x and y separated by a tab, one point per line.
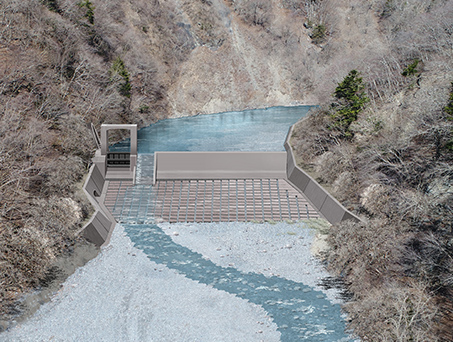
383	144
382	137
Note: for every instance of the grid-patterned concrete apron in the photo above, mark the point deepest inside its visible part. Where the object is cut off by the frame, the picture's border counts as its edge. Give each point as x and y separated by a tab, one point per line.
220	200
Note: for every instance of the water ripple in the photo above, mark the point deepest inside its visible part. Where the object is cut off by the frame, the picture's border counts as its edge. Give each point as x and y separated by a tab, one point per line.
300	312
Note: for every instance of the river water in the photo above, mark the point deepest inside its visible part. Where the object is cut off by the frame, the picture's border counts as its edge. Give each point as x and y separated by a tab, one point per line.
198	282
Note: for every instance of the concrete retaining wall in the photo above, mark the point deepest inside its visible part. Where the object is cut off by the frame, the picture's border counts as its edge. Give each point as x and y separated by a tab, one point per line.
95	183
99	229
325	203
219	165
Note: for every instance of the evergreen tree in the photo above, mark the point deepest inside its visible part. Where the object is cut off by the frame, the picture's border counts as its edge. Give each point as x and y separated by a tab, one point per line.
119	68
411	69
351	99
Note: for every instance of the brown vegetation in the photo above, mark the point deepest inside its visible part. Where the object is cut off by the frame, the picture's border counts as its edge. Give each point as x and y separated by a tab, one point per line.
67	63
55	62
255	12
396	171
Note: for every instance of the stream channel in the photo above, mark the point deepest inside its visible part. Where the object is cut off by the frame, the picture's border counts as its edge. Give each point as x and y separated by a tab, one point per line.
198	282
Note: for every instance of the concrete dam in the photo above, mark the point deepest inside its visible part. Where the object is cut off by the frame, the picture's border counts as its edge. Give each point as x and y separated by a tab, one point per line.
201	187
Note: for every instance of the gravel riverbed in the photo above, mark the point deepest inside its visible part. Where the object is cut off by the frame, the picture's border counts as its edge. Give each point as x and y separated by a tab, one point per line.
122	295
279	249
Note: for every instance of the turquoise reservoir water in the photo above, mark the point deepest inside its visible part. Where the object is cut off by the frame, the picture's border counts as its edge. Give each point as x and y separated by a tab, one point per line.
250	130
300	312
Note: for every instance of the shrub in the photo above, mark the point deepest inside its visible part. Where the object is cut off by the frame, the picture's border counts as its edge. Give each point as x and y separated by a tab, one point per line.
411	70
395	312
254	12
319	34
61	175
75	139
296	6
388	9
90	10
52	5
311	136
101	45
143	109
448	110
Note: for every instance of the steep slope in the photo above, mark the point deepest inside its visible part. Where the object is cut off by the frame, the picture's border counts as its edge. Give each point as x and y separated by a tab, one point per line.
393	165
67	63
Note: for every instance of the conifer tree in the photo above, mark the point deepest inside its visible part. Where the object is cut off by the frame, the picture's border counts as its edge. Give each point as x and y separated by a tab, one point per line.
350	100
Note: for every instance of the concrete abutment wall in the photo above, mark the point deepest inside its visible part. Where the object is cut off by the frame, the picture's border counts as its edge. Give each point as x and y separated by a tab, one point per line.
100	227
325	203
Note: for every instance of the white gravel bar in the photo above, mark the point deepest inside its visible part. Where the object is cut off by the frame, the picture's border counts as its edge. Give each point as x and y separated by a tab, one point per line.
279	249
123	296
